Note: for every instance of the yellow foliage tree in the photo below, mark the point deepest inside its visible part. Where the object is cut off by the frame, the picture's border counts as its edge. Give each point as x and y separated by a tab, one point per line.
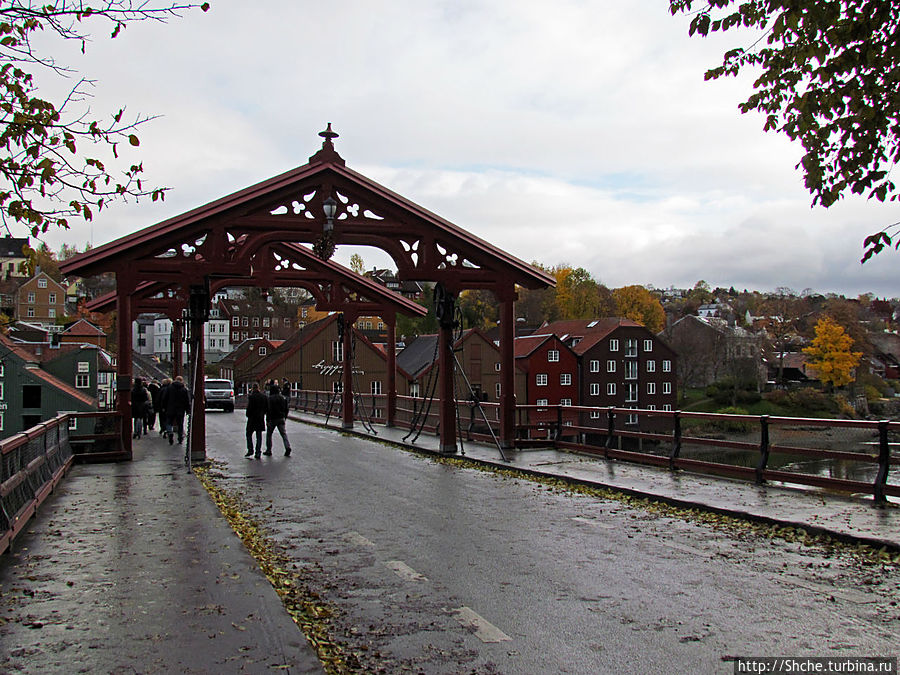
830	354
640	305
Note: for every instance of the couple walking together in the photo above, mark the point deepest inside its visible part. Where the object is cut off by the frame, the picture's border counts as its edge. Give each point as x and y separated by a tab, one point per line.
269	413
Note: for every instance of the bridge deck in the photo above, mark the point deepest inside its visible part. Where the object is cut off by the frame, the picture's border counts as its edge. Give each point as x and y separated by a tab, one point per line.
131	565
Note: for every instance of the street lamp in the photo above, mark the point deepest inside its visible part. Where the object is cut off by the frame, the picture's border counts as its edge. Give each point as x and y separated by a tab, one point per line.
330	208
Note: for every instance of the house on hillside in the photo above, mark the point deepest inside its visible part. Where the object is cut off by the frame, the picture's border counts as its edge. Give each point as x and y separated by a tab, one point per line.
41	300
551	376
247	319
30	395
621	364
709	350
313	358
479	360
885	358
12	257
82	331
236	365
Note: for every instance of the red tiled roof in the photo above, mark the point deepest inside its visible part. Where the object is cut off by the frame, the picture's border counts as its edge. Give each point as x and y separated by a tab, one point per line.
525	345
83	328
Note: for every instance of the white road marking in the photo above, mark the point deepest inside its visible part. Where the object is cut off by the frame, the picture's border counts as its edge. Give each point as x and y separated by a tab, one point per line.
591	521
404	571
849	595
359	540
483	629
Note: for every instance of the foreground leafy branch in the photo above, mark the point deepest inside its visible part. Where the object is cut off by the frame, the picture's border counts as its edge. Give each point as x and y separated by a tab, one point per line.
51	168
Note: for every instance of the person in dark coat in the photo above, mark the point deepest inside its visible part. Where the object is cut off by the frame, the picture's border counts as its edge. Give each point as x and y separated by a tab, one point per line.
257	407
286	390
276	414
139	399
161	407
176	401
152	404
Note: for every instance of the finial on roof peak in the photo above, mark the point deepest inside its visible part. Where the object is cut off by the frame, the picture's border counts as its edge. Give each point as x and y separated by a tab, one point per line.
327	153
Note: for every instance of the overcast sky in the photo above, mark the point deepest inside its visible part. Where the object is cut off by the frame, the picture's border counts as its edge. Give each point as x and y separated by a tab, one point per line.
566	132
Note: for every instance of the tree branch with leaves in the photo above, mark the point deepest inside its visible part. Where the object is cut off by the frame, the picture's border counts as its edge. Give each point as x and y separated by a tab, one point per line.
829	73
51	168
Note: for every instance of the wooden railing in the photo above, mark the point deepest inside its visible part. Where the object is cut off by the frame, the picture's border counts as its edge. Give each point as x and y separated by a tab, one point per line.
31	464
749	447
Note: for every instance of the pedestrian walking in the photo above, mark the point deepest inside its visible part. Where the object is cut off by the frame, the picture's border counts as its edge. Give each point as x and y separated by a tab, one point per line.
160	406
177	401
286	390
276	414
139	398
153	409
257	407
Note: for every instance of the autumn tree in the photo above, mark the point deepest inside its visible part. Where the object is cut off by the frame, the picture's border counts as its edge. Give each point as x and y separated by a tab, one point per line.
640	305
830	354
56	160
479	308
44	259
357	264
828	80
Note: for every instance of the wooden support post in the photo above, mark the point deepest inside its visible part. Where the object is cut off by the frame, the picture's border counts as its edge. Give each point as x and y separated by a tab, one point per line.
347	373
124	377
177	347
198	407
507	372
445	385
391	412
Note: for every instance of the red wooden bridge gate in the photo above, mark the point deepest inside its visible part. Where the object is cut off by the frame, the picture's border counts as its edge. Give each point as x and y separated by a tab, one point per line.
255	237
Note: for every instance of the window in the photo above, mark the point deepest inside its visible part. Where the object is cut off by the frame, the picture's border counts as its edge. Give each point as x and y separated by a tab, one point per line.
595	388
667	366
235	321
42	283
610	366
553	356
541	401
256	322
631	419
565	378
245	321
30	311
667	406
595	414
497	366
667	387
82	381
73	421
613	345
651	387
267	335
263	351
337	350
51	298
651	366
631	347
30	296
337	387
541	379
565	401
2	369
1	421
265	322
631	370
51	313
648	345
274	321
376	387
1	391
632	393
102	378
497	389
595	366
142	342
414	389
651	407
610	388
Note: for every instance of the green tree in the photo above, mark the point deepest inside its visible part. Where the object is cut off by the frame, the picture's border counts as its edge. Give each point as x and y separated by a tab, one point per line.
829	79
479	308
56	160
45	259
830	354
640	305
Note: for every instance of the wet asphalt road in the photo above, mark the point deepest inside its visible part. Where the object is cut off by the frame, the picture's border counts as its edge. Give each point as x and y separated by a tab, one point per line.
437	569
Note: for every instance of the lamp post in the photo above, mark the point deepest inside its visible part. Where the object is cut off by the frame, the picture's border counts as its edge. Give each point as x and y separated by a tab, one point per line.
324	247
